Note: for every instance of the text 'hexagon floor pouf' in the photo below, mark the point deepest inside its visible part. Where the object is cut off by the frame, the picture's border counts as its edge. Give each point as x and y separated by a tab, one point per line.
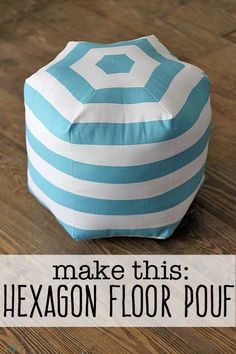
117	137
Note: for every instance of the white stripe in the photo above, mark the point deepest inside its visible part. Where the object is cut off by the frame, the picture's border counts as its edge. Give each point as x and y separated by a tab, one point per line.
119	155
100	222
128	191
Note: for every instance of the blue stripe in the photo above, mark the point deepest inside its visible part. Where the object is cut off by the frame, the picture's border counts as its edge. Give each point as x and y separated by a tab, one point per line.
117	174
72	80
121	95
116	207
119	133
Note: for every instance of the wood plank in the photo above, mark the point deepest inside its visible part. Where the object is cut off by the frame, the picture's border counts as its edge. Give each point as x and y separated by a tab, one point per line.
231	36
212	16
222	147
12	121
12	10
129	340
218	193
33	340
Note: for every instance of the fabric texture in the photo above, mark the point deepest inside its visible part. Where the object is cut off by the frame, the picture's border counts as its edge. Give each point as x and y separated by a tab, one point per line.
117	137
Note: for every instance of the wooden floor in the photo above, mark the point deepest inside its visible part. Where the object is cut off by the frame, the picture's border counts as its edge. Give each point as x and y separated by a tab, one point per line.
198	31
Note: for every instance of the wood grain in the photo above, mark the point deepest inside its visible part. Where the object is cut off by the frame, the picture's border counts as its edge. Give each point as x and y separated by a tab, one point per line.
198	31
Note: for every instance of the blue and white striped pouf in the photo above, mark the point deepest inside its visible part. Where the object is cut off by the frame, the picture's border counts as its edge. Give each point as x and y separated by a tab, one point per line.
117	137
